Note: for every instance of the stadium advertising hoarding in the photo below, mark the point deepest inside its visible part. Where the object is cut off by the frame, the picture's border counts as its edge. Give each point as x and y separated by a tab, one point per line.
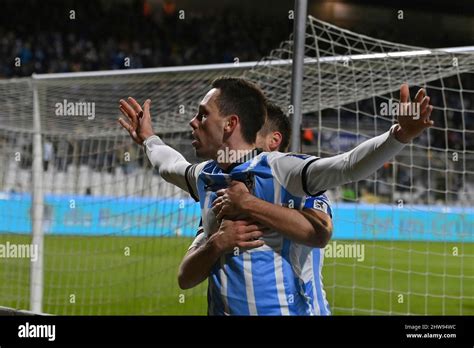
88	215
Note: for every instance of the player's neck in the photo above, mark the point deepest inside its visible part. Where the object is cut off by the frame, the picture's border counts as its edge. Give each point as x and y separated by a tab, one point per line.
234	151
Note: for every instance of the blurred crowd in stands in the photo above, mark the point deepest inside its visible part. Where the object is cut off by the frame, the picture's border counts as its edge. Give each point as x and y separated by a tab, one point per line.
63	36
149	33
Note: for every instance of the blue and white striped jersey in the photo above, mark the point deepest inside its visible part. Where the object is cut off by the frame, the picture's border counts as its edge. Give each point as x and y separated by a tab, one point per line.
280	278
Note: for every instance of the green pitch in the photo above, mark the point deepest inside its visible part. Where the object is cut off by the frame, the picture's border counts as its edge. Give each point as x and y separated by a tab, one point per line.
126	275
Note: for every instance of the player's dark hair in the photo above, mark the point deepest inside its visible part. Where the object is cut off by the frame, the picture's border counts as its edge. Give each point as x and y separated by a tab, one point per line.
244	99
277	121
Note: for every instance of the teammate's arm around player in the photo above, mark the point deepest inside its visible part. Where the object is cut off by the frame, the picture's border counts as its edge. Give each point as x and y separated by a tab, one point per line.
204	252
310	227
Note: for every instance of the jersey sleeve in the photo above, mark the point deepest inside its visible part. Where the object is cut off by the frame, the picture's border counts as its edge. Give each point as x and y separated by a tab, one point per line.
191	175
287	170
199	240
311	176
170	163
320	203
172	166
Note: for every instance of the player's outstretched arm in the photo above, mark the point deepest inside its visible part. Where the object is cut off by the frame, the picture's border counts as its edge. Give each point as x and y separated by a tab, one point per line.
170	163
309	227
314	175
205	252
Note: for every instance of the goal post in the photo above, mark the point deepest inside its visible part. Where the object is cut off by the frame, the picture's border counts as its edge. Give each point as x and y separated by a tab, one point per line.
114	232
299	31
37	275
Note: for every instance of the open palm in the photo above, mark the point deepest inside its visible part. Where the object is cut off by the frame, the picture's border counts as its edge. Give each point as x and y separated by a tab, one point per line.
413	123
139	120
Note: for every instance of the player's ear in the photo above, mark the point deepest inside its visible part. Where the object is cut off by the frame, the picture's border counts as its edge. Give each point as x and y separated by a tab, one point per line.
275	141
231	123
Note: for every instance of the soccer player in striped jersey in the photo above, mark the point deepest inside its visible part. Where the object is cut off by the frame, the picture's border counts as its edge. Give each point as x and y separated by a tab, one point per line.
229	117
314	219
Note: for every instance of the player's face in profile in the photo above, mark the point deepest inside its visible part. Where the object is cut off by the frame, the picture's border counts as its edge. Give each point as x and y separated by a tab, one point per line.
208	127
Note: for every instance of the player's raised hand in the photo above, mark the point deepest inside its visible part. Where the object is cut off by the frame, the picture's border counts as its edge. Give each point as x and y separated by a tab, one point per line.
139	119
414	117
231	202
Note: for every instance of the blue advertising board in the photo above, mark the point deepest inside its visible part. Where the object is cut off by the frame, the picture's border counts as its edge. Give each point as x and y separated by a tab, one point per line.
127	216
